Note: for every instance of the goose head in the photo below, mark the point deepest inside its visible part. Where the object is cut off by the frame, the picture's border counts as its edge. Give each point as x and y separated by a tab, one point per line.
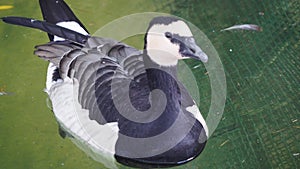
169	39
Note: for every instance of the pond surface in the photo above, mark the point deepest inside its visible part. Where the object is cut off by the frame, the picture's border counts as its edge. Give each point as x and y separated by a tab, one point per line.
260	127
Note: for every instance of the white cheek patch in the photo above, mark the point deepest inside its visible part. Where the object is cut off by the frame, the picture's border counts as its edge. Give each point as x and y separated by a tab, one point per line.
159	47
161	50
72	25
178	27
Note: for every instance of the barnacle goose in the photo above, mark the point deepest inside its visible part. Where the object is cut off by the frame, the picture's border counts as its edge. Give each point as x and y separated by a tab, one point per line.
118	103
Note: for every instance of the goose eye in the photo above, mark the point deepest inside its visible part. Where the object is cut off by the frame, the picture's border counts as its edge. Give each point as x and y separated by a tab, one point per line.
168	35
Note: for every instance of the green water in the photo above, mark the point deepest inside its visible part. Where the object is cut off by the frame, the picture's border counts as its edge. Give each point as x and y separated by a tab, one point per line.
261	122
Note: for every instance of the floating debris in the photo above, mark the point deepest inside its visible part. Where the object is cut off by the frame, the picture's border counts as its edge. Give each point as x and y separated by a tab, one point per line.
296	154
3	92
196	66
278	131
295	120
224	143
5	7
261	13
251	27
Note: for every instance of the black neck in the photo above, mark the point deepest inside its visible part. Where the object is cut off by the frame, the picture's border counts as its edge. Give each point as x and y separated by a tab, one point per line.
163	78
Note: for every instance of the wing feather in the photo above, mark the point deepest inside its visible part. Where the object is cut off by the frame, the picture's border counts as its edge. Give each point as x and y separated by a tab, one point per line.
97	66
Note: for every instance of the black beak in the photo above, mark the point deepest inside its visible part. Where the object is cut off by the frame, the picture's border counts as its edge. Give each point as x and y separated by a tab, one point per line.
189	48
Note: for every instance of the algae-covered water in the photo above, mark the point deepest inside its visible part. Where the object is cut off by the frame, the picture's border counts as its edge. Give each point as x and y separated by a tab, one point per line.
260	127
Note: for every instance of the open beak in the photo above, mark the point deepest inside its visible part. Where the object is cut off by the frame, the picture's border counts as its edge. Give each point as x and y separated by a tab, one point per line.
189	48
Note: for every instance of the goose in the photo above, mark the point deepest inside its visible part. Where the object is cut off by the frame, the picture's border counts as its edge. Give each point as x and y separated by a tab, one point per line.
115	102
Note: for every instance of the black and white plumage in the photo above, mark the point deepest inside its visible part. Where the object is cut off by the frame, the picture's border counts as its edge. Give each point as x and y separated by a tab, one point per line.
118	103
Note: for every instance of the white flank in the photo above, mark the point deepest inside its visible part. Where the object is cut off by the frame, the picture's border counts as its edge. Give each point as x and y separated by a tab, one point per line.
95	139
195	111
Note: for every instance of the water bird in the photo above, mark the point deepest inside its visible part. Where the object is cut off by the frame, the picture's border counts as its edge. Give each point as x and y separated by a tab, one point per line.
117	103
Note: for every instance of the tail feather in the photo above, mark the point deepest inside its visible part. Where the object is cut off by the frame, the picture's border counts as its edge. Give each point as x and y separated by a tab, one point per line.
48	27
57	11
